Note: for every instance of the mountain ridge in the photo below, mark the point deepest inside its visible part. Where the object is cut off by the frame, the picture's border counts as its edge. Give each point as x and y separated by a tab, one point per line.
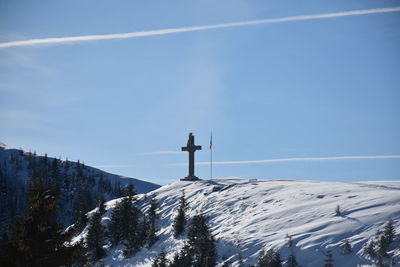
80	186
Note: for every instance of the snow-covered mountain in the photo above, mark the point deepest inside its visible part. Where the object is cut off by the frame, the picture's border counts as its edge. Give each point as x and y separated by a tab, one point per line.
247	215
80	186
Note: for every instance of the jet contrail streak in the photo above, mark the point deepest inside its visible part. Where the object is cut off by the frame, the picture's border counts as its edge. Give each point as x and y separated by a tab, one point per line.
299	159
60	40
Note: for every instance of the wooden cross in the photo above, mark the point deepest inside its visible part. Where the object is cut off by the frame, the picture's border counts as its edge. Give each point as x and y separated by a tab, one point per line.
191	148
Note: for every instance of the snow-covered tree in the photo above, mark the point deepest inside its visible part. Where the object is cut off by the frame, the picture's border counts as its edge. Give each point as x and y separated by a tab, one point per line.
370	249
270	258
346	247
160	260
123	219
180	219
95	237
199	250
389	232
151	236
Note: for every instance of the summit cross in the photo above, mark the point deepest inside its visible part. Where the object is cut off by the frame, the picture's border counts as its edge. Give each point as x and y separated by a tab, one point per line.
191	148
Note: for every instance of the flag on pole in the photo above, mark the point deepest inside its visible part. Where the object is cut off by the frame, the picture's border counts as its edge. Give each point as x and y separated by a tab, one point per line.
211	141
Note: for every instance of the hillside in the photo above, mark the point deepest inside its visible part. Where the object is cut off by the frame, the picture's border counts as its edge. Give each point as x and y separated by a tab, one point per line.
80	186
246	216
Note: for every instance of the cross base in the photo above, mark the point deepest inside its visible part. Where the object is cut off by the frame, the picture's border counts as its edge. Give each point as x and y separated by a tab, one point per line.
190	178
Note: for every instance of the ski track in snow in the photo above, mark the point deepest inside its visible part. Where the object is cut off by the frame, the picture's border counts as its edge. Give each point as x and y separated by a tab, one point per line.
245	216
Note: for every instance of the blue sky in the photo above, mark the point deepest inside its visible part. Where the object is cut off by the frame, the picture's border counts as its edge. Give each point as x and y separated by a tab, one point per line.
299	89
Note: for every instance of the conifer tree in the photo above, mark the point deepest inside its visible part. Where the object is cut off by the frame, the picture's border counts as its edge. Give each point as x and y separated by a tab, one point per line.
55	171
383	246
101	205
270	258
292	261
151	237
184	258
130	191
370	249
125	225
346	247
328	258
114	226
289	240
180	219
95	237
338	212
160	261
201	242
81	222
389	231
199	249
134	238
38	240
4	209
240	261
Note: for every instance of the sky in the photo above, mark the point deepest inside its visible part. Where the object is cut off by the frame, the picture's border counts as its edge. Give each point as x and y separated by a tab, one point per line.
289	89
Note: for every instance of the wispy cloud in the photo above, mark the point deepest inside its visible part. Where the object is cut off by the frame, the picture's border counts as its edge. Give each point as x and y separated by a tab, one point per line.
61	40
163	152
295	159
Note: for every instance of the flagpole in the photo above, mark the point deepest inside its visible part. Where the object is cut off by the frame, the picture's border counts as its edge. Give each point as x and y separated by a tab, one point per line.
211	156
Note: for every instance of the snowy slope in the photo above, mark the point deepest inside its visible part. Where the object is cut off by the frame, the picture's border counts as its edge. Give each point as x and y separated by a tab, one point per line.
245	216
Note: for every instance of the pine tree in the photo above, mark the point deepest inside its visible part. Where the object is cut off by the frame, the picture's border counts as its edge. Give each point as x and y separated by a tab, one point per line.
270	258
55	171
240	261
125	225
184	258
4	209
389	231
346	247
95	236
38	240
199	249
180	219
328	258
201	242
101	206
370	249
114	226
383	246
161	260
292	261
289	240
338	212
81	222
151	237
276	259
130	191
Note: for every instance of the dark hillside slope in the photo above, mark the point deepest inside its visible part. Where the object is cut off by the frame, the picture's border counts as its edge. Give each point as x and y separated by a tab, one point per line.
80	186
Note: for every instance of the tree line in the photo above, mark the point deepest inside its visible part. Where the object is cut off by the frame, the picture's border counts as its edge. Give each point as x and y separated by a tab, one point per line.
78	186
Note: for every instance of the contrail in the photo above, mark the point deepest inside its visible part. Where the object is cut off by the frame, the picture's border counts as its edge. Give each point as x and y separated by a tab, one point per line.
114	166
164	152
60	40
297	159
